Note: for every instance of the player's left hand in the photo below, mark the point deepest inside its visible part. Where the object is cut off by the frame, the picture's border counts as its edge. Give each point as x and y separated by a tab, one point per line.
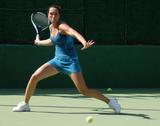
88	44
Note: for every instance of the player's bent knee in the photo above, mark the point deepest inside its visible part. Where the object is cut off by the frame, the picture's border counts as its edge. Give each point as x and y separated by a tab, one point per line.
83	91
35	77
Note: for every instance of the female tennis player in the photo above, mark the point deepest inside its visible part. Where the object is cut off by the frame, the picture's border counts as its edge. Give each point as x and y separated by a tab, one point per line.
65	61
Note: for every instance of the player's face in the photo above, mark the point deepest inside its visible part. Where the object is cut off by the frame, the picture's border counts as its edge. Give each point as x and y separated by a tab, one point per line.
53	15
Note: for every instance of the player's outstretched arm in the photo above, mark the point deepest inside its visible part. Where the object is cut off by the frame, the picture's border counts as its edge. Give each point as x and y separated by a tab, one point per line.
70	31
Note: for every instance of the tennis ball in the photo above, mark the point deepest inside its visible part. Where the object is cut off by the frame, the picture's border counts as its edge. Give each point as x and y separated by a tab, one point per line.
89	119
109	89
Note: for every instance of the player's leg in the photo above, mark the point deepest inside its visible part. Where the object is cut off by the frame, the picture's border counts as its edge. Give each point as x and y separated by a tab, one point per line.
80	84
42	72
83	89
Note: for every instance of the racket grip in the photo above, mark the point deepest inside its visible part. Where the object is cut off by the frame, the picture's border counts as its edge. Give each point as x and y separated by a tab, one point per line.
37	37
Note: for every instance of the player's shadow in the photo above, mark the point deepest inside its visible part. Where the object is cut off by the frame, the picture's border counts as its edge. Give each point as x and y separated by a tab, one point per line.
99	113
93	110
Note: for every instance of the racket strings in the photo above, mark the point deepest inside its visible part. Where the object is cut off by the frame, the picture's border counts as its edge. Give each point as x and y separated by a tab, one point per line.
40	20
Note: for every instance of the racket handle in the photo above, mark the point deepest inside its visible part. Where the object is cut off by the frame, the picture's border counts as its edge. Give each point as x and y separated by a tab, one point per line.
37	37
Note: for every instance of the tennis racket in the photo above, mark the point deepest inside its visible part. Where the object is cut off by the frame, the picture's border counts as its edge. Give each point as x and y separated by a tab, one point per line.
40	22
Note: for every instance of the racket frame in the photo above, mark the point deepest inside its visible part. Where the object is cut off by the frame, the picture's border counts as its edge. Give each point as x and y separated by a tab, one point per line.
37	31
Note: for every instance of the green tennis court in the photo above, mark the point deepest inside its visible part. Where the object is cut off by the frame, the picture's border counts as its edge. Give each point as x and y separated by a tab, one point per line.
64	107
126	57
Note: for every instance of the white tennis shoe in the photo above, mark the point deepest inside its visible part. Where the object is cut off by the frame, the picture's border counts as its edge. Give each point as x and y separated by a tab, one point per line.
113	104
21	107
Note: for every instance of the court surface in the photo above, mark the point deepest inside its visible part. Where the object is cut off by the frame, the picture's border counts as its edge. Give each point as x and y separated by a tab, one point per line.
66	107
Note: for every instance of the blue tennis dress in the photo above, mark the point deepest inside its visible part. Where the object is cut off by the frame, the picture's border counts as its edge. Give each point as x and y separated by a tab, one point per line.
65	60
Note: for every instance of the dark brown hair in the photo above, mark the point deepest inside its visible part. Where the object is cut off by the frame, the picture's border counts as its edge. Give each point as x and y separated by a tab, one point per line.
55	6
